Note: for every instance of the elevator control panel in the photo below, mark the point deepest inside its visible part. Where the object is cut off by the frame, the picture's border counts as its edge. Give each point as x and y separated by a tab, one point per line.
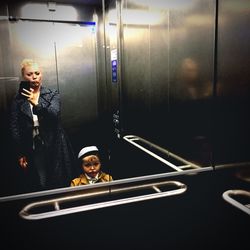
116	122
114	65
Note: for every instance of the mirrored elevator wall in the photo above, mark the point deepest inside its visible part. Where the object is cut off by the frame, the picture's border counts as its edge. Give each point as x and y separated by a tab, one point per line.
167	74
232	106
181	78
66	41
183	82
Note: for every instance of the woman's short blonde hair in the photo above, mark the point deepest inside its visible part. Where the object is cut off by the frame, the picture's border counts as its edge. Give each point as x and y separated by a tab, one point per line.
27	62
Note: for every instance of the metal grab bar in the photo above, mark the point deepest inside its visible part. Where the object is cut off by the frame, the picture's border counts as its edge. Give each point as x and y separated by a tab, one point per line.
25	212
132	138
227	195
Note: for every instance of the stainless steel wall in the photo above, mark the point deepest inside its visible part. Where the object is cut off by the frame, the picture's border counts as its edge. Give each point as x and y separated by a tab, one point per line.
232	120
65	43
184	80
184	83
67	52
167	73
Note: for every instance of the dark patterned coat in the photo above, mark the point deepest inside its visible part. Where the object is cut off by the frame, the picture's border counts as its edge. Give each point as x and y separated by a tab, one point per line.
58	147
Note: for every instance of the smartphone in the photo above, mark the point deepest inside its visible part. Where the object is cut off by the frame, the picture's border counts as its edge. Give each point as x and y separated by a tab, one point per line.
24	85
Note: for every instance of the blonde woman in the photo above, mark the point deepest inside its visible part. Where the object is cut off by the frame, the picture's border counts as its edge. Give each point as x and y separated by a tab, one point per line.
41	146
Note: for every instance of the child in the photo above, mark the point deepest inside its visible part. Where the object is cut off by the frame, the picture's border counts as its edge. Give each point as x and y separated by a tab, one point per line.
91	166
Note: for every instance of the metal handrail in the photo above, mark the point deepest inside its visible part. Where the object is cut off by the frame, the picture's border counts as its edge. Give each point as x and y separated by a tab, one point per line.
132	138
232	165
229	194
102	184
26	214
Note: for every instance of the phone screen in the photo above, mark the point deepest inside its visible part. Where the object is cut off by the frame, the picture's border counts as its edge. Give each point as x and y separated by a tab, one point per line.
24	85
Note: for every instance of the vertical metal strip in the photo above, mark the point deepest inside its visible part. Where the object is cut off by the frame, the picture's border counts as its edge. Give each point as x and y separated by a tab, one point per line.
57	80
215	79
120	48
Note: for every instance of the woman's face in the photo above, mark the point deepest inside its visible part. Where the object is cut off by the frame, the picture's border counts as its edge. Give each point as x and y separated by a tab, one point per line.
91	165
33	74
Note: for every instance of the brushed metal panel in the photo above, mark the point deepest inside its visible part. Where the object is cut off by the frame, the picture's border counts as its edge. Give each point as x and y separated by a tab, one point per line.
191	80
167	66
34	40
76	62
233	86
67	53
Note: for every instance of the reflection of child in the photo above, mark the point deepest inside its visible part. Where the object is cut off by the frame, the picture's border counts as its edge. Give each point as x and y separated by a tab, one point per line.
91	166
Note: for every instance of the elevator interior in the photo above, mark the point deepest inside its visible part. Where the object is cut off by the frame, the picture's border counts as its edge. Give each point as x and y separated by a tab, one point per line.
163	88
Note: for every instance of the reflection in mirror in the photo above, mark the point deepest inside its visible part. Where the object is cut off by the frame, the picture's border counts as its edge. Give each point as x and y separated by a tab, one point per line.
174	85
160	76
167	75
39	143
91	164
68	49
122	193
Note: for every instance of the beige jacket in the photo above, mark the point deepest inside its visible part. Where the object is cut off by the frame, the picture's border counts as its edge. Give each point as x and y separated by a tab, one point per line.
82	179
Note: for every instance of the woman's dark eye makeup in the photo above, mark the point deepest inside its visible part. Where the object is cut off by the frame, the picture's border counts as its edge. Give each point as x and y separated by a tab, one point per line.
36	73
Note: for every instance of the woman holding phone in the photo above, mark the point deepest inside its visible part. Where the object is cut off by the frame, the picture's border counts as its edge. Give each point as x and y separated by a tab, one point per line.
43	151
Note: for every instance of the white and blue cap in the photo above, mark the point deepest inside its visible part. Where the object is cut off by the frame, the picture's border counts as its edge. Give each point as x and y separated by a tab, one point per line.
89	150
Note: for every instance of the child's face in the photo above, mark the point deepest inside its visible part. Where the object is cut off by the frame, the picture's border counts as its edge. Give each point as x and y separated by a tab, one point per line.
91	165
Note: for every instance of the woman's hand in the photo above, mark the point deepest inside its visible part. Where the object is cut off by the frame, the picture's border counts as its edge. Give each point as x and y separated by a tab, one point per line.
32	96
23	162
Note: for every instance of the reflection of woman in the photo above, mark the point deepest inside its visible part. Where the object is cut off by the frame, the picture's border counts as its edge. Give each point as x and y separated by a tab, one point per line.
194	87
42	149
